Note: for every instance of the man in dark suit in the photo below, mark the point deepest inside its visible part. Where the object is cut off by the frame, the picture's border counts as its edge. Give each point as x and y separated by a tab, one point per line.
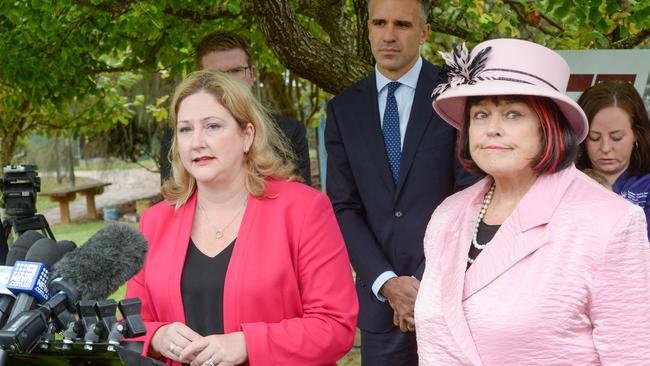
230	53
391	161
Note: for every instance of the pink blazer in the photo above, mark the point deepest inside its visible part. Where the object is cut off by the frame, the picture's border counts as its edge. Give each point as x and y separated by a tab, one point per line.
288	286
565	280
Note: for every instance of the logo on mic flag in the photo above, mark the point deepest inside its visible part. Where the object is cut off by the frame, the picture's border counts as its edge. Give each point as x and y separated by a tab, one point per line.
5	274
29	278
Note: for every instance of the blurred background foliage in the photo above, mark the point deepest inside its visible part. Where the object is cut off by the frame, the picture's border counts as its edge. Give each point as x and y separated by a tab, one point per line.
94	76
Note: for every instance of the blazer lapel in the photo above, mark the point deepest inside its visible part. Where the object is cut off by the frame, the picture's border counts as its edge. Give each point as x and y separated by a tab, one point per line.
236	271
370	130
185	218
453	265
521	234
421	114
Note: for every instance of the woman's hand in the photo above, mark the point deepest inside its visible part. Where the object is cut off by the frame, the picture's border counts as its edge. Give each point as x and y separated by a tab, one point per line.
170	340
219	349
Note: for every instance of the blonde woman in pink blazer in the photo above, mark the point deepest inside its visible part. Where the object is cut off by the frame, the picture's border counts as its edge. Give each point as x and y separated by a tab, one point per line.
536	264
245	266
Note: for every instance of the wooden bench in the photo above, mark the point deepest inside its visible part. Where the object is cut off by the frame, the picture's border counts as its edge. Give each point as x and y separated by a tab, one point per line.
65	195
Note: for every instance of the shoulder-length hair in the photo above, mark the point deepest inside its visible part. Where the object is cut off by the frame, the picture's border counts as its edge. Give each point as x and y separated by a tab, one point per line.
269	156
559	143
623	95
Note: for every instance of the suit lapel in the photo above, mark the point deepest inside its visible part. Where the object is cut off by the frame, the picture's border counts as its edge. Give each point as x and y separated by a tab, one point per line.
370	130
508	247
453	264
522	233
419	119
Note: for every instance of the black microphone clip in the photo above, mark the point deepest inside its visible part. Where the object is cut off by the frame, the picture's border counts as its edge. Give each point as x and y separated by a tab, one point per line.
131	325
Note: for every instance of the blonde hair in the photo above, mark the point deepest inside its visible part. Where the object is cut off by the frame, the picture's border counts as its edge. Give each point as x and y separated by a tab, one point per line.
269	156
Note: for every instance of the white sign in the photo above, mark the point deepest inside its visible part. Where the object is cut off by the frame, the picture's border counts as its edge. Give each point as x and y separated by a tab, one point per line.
588	67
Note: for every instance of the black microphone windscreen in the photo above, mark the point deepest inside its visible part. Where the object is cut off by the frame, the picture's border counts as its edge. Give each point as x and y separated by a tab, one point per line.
107	260
20	247
66	246
44	251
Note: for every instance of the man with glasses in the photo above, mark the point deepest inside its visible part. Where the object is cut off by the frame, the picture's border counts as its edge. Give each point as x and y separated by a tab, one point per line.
230	53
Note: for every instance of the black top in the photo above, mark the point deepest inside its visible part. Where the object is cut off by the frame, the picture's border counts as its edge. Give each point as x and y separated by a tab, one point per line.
292	129
485	234
202	289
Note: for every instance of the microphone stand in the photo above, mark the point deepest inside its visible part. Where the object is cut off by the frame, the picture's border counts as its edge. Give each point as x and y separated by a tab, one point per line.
3	357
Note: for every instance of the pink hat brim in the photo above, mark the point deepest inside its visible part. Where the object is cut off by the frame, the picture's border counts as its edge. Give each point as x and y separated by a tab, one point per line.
450	105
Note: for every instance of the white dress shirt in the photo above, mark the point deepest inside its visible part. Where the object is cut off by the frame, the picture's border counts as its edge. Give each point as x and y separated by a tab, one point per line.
404	96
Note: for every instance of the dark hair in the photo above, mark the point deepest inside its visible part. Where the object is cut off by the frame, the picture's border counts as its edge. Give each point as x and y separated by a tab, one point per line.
423	3
559	142
623	95
222	41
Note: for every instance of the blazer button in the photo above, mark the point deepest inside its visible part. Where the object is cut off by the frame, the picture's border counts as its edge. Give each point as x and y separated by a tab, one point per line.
398	214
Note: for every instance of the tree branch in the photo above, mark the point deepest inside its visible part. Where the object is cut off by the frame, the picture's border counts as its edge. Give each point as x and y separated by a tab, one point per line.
446	26
119	7
149	60
524	20
198	16
115	8
331	68
631	41
330	16
363	46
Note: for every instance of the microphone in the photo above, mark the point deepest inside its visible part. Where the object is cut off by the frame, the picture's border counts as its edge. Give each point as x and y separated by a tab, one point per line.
107	260
25	278
28	281
93	271
66	246
6	297
17	252
20	247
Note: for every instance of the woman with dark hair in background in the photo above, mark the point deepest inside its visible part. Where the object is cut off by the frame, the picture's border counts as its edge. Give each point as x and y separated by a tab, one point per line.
618	144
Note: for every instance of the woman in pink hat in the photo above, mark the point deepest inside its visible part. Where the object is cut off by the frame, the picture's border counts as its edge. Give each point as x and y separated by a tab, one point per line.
536	264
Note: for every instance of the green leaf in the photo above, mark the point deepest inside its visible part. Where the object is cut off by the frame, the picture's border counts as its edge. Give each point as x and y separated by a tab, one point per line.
233	6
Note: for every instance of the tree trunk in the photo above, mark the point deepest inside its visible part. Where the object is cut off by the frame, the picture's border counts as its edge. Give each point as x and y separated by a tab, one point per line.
301	52
70	142
275	96
10	136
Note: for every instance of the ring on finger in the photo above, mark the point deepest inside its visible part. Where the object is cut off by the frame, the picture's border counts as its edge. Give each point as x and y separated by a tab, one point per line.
172	348
210	362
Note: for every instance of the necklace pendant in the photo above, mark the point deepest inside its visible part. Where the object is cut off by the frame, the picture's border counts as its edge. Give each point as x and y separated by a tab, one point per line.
219	234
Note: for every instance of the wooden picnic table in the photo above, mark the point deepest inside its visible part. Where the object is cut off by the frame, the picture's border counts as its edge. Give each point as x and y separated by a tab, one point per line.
64	195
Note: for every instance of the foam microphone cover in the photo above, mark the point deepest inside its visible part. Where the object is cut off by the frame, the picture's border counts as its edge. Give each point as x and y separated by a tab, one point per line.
19	249
107	260
44	251
66	246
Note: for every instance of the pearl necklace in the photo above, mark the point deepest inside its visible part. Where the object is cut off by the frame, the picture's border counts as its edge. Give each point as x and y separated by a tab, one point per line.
486	202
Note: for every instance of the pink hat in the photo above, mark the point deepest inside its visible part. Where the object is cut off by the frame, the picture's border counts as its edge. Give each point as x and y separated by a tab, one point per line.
506	67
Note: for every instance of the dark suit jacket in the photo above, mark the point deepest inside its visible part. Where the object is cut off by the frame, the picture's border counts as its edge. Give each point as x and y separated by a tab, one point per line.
292	129
383	224
297	135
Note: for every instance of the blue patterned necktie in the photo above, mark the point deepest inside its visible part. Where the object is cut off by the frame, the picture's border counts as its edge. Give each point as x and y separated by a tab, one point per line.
390	130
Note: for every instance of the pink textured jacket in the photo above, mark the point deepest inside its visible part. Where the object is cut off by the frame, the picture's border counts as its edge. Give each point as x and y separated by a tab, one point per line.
288	286
565	280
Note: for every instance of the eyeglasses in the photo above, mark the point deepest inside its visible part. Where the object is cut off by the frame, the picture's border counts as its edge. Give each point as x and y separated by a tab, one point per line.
237	71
